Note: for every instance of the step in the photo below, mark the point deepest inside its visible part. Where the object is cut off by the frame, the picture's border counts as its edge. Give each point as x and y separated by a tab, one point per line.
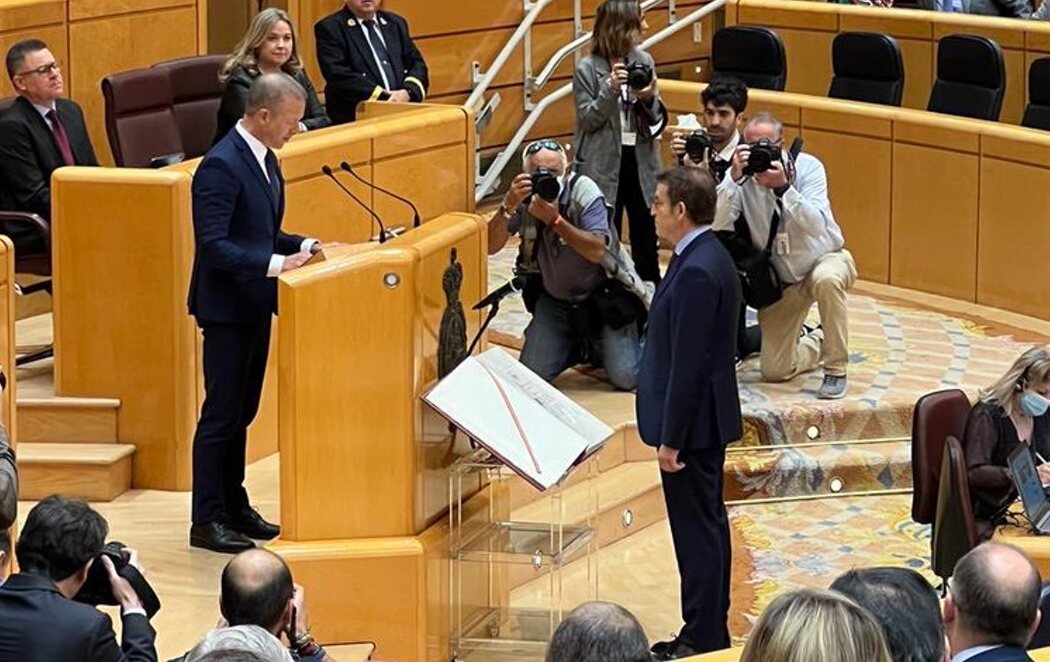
67	420
95	472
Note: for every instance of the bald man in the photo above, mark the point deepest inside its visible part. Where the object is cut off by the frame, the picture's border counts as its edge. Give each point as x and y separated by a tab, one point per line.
992	609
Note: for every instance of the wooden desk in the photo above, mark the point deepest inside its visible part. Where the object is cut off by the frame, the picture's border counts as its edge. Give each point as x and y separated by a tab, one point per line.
1037	547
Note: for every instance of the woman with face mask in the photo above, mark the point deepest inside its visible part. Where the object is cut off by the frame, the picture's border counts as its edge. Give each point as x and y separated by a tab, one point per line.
1012	411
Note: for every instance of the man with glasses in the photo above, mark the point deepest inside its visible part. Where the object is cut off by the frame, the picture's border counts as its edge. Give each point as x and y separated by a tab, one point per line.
39	133
564	228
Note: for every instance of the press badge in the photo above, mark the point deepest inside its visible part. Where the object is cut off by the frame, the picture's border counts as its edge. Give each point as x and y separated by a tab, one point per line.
629	138
782	245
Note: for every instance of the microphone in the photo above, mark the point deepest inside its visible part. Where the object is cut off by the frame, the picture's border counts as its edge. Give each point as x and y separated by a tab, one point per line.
327	172
510	287
415	211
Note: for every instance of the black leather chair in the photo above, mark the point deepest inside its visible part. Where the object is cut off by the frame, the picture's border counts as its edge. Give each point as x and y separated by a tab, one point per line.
140	117
1037	113
753	54
970	79
937	416
868	68
954	527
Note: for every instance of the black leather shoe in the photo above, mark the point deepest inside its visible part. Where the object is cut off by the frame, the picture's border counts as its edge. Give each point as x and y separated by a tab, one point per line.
250	523
218	538
671	650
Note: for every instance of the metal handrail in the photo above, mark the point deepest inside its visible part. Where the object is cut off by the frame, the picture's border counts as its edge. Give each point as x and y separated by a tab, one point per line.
504	157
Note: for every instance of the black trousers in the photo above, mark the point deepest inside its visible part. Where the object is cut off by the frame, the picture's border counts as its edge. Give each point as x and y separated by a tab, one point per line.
748	338
629	197
234	368
700	530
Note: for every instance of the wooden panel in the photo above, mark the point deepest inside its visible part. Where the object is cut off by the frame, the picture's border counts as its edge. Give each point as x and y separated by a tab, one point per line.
8	409
86	9
1004	31
938	130
21	16
900	23
809	68
934	205
777	15
444	186
919	64
316	207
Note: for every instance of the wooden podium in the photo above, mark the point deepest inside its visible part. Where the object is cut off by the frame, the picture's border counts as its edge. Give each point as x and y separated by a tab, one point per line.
364	465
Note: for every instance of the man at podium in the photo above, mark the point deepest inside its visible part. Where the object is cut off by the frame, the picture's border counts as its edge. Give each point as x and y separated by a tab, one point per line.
238	204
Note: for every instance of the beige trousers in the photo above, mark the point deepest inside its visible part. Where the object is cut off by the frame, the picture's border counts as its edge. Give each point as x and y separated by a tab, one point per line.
784	354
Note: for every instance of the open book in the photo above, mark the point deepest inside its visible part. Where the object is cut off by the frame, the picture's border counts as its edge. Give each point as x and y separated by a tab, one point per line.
525	422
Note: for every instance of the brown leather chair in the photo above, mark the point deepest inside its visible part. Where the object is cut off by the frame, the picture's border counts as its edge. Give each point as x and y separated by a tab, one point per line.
140	120
936	416
954	527
197	93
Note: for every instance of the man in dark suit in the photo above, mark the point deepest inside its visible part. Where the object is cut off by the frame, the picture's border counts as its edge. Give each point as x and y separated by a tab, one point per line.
367	55
39	133
41	622
238	203
992	608
687	404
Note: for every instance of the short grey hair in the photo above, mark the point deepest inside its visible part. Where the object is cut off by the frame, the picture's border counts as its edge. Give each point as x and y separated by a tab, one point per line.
247	638
268	90
599	632
769	120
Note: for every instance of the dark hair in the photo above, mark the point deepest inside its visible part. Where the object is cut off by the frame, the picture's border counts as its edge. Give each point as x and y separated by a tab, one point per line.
695	188
906	607
599	632
231	655
5	545
613	25
16	55
59	537
725	90
1000	603
255	601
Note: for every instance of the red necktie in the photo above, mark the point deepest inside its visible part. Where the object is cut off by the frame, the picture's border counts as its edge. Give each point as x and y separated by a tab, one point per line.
61	138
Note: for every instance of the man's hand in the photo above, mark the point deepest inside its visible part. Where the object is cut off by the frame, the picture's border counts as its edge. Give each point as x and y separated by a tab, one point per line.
401	96
618	76
520	189
773	178
543	210
678	149
302	621
668	458
126	596
740	157
295	260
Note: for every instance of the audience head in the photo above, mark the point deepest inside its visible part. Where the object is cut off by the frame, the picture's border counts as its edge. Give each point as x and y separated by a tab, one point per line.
241	639
685	198
269	45
993	598
546	153
723	100
34	72
618	27
59	540
363	8
599	632
764	125
906	607
257	589
1025	386
811	624
276	103
231	655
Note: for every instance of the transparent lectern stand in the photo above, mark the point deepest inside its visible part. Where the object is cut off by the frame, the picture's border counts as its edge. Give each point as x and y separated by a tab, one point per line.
519	559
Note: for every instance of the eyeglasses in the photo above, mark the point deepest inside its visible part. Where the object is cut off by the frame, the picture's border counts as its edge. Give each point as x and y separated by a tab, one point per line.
546	143
43	70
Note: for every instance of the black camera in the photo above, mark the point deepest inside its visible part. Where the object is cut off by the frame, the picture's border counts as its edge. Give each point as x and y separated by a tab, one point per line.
639	75
545	184
98	591
697	145
764	153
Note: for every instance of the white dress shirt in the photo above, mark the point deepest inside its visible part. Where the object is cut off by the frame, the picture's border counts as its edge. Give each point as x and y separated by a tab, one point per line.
689	238
727	152
971	653
810	228
259	151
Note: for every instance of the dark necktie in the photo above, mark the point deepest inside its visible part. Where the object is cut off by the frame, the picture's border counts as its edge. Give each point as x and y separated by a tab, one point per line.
61	138
272	171
383	54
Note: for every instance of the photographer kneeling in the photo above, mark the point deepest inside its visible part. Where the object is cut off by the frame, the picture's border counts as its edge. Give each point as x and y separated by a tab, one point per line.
784	203
41	622
577	317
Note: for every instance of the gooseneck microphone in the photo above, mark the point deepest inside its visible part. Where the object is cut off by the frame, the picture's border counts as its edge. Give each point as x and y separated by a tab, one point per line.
327	172
415	211
510	287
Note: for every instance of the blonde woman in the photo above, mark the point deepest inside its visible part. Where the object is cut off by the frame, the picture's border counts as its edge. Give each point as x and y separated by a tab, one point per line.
268	47
811	625
1012	411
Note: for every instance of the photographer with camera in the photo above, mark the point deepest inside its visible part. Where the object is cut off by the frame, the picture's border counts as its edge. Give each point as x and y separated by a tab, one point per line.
777	206
619	117
577	316
60	543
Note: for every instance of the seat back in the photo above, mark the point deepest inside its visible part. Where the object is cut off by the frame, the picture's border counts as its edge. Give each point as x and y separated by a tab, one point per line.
954	528
971	78
753	54
1037	113
196	94
868	67
937	415
140	122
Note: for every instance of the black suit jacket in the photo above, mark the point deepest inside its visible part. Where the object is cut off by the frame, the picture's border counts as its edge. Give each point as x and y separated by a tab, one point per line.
235	100
237	226
687	392
350	72
1004	654
39	624
29	154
